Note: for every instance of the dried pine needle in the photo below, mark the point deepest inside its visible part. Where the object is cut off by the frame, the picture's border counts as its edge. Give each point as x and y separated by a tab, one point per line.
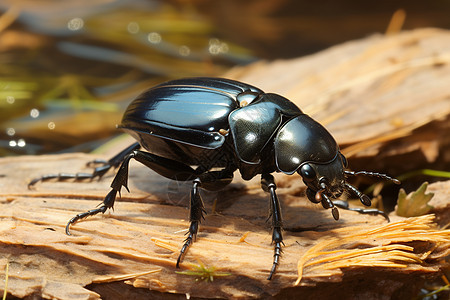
113	278
391	259
164	244
243	237
397	21
349	254
157	282
5	290
335	253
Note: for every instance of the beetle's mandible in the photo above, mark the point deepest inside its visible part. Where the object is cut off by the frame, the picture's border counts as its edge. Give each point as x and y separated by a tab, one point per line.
203	129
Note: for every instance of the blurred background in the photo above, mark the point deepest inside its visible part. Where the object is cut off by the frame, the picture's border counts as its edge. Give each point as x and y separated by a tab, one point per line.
68	69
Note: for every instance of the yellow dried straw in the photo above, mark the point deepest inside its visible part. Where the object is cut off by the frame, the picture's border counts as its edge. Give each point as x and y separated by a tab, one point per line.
333	254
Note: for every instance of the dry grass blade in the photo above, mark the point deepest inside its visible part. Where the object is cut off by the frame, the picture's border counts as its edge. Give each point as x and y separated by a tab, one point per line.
103	279
164	244
5	290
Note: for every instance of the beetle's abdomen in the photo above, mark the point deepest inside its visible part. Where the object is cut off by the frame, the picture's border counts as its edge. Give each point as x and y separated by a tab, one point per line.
190	114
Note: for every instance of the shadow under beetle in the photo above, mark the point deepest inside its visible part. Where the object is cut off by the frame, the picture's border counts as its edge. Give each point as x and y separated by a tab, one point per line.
204	129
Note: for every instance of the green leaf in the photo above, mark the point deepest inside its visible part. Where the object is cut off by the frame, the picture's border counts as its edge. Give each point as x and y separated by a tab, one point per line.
203	273
415	203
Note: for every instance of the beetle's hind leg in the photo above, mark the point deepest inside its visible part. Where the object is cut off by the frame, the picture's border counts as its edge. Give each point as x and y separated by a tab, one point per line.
113	162
121	179
98	172
163	166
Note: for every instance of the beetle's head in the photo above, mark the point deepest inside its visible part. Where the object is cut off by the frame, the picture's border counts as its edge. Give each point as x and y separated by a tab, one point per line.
324	180
304	146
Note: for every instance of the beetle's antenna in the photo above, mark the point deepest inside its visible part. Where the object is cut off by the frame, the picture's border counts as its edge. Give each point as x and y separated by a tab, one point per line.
373	174
364	198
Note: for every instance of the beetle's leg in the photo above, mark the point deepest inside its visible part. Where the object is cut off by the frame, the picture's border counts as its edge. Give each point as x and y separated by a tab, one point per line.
163	166
327	203
209	180
364	200
121	179
362	197
371	211
195	216
268	185
113	162
60	177
98	172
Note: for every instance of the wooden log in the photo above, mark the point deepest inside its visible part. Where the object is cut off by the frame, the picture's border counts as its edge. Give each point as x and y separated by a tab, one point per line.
139	242
132	251
386	93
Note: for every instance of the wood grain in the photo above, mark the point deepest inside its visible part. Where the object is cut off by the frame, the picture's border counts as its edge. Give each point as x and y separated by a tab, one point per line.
140	240
381	97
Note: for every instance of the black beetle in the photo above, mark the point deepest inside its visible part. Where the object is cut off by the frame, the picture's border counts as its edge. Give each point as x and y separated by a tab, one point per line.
204	129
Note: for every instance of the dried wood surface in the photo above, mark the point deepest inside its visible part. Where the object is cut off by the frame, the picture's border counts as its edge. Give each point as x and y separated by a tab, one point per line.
145	232
373	94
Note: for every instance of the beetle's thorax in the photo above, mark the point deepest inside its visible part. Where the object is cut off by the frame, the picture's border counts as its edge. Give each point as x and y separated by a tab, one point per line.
303	140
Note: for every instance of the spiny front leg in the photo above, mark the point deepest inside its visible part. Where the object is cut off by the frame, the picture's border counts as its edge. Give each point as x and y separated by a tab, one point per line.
197	210
121	179
268	185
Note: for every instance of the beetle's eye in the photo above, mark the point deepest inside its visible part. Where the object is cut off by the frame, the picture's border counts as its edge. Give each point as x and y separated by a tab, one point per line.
307	172
344	161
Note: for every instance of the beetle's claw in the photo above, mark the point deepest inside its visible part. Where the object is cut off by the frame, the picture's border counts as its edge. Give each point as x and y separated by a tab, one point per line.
276	259
33	182
68	227
178	261
187	242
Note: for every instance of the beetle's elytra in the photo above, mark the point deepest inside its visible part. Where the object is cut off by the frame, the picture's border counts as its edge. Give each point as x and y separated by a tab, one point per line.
203	129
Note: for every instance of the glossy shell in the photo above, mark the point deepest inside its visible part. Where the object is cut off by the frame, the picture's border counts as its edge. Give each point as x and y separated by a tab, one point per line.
189	120
303	140
190	111
253	126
